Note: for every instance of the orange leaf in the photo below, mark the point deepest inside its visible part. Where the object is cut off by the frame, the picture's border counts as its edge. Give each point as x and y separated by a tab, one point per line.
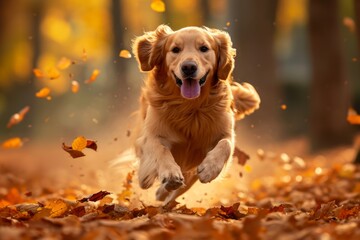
158	6
75	86
38	73
18	117
43	93
53	73
124	54
58	207
64	63
79	143
350	24
12	143
93	76
353	117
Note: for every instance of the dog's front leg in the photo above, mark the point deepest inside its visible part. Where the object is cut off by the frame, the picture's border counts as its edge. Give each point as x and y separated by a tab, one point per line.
215	160
156	160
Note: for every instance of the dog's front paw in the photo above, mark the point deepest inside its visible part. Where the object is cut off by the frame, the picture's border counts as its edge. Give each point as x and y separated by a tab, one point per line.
171	178
208	170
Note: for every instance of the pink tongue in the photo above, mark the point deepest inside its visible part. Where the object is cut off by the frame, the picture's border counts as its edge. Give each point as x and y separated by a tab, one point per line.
190	88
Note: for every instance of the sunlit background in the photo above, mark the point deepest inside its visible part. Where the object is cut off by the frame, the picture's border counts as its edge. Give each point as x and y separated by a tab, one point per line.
303	59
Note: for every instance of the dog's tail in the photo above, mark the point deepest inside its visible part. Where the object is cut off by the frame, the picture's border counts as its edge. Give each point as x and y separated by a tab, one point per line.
245	99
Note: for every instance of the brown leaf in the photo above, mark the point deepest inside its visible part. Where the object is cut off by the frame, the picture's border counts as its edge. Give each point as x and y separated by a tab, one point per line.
241	156
91	144
78	211
75	86
73	153
18	117
95	197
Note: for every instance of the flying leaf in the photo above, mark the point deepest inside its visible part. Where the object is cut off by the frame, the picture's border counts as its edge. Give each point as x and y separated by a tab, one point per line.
75	86
53	73
241	156
63	63
93	76
15	142
349	24
79	143
38	73
95	197
158	6
18	117
43	93
353	117
124	54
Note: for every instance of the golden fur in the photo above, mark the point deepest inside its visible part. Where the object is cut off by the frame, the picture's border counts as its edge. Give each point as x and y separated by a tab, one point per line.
181	139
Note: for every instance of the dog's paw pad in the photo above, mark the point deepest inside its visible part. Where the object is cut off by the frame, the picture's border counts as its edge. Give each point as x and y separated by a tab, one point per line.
173	183
207	172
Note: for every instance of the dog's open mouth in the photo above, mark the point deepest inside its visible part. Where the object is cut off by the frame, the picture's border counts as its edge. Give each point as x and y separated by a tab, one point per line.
189	87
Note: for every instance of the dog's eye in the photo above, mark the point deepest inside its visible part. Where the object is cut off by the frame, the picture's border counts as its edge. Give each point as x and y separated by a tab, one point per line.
175	50
204	49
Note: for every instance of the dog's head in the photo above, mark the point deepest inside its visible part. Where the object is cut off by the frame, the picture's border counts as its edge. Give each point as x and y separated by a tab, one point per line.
191	57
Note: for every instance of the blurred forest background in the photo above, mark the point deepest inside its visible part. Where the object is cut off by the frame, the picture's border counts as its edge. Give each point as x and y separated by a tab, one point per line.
301	55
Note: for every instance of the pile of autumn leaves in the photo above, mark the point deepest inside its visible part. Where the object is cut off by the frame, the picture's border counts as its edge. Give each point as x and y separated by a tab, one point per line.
324	203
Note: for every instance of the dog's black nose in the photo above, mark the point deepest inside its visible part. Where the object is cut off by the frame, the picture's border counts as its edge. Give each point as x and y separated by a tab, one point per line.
188	68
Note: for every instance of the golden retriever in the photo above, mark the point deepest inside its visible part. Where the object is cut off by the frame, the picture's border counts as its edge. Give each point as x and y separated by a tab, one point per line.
188	107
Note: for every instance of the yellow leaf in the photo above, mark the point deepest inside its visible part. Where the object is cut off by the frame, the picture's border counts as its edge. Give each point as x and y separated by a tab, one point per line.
58	207
93	76
43	93
38	73
79	143
124	54
12	143
64	63
353	117
158	6
53	73
75	86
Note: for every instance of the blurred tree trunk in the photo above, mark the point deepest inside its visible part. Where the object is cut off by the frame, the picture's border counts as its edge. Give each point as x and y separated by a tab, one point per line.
357	21
205	11
120	87
329	89
253	29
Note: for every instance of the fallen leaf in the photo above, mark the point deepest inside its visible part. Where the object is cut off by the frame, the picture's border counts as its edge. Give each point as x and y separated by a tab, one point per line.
58	207
349	24
95	197
53	73
79	143
124	54
158	6
64	63
38	73
15	142
241	156
18	117
43	93
353	117
75	86
93	76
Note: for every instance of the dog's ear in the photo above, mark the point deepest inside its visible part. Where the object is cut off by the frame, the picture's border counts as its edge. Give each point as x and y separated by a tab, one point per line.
149	48
226	53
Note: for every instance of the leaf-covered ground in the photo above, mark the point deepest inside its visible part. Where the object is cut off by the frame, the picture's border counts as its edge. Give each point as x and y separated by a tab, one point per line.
314	198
